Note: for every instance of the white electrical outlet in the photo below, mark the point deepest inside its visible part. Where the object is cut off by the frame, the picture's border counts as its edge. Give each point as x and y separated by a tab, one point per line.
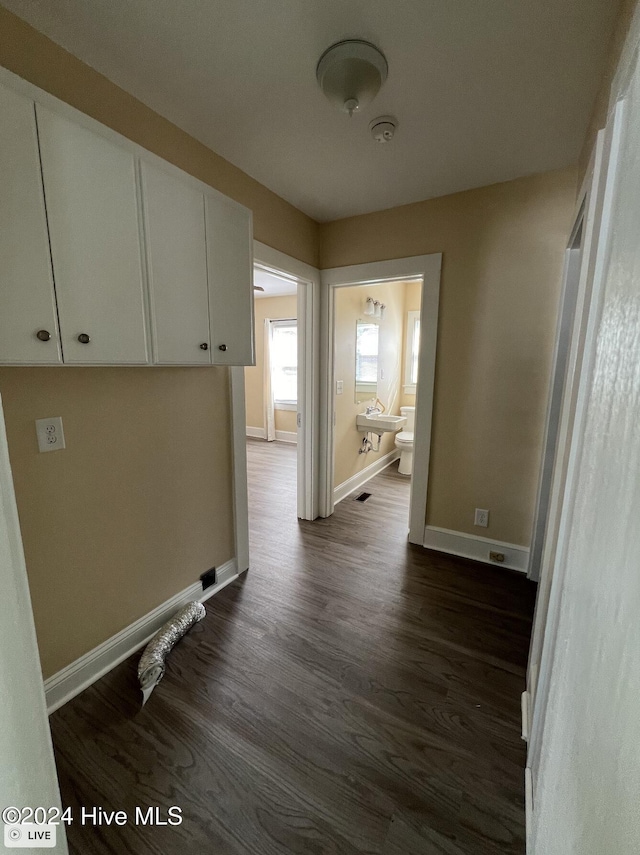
50	434
339	387
481	518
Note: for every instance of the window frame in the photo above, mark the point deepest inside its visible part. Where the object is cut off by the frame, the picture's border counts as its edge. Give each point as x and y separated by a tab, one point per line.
282	404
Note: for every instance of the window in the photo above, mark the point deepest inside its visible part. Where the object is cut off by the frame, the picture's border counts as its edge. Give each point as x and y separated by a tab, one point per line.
284	364
411	353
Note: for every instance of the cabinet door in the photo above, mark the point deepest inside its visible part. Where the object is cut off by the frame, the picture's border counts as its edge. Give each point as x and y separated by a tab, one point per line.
177	267
27	299
230	266
92	208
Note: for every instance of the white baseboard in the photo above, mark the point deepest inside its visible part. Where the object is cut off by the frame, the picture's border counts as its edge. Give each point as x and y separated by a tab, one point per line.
79	675
360	478
281	435
478	548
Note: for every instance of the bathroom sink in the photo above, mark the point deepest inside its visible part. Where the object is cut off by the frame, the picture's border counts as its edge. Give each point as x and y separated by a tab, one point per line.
380	422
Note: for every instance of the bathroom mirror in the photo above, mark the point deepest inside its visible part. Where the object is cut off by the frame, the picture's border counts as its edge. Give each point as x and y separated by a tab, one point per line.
366	361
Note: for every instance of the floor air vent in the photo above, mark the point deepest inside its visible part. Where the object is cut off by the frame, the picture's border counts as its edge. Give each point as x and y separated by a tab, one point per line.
363	497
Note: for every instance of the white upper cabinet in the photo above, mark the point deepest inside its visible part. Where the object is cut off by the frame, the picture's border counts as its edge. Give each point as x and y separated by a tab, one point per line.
108	254
28	324
177	268
230	264
92	209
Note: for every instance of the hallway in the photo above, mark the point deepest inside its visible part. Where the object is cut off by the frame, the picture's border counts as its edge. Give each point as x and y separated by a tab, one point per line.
350	694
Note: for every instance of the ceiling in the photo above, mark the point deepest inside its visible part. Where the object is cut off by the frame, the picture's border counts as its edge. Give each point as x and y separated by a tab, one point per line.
274	286
484	90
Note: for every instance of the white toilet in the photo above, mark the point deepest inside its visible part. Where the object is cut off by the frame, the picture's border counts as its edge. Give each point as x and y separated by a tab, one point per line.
404	441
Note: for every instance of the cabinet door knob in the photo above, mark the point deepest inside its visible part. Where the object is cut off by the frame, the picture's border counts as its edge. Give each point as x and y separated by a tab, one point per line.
43	335
204	346
222	347
83	338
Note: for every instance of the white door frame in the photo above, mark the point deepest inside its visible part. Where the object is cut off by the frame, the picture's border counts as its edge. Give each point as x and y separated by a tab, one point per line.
599	197
427	267
308	281
26	753
559	374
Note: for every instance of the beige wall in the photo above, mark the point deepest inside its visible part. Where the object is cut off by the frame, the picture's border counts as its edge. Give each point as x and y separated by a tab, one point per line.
139	503
349	308
273	308
599	112
502	261
133	510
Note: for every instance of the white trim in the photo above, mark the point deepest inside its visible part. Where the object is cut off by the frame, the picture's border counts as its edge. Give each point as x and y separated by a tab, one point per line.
524	712
26	752
477	548
286	406
308	316
82	673
361	478
281	435
427	268
239	466
410	389
528	806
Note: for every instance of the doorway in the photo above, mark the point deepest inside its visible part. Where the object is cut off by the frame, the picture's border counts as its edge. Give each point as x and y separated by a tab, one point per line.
425	269
376	350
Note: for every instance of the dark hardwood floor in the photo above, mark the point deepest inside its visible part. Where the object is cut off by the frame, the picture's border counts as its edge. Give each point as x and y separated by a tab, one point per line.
350	694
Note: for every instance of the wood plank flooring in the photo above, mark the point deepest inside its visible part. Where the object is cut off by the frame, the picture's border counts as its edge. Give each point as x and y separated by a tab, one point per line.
351	694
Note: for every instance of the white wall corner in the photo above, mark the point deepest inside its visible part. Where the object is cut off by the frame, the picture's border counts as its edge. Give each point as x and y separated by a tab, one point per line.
360	478
82	673
477	548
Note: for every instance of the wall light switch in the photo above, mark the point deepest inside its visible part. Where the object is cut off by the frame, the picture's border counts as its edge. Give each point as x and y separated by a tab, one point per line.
50	434
339	387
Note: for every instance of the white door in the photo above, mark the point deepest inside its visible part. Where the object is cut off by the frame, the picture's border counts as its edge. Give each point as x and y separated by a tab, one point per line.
595	241
91	195
230	266
177	268
28	324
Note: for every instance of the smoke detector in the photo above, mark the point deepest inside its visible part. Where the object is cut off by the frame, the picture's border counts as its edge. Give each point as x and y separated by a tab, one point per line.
383	128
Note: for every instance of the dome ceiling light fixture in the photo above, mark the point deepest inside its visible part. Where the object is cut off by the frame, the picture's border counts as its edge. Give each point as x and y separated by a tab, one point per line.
350	73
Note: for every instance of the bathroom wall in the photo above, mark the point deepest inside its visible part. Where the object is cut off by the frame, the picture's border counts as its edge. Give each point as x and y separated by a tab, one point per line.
273	308
349	309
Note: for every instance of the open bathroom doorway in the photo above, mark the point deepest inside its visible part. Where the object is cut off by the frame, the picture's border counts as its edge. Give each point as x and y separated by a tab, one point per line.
379	360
